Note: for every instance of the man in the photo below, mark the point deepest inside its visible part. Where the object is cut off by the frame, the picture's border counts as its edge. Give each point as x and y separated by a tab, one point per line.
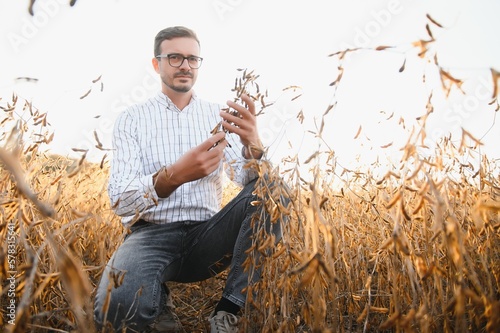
165	183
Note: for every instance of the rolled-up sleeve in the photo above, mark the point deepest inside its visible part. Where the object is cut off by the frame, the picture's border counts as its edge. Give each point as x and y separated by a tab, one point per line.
238	169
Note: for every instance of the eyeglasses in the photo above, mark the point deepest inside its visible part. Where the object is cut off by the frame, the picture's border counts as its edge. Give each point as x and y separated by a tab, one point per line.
176	60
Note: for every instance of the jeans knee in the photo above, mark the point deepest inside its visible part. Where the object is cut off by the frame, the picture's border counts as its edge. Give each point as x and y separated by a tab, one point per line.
120	308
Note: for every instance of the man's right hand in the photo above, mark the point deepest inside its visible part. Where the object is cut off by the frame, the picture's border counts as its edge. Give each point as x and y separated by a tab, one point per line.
196	163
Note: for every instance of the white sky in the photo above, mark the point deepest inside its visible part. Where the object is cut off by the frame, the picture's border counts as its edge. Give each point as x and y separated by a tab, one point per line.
286	42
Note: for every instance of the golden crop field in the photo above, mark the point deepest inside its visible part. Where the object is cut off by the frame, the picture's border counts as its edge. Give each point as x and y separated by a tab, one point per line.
416	250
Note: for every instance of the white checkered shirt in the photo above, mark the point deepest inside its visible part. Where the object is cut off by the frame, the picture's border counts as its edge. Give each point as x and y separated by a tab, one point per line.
154	134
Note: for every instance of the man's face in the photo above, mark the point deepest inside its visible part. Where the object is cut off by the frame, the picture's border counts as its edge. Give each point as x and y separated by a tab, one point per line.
183	78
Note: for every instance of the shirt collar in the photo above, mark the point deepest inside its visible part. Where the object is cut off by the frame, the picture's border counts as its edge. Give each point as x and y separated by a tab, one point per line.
165	101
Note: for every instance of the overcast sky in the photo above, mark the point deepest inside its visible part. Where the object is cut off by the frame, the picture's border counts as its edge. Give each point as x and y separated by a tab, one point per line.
285	42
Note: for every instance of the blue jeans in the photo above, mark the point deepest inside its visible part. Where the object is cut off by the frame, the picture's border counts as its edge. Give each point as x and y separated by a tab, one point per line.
187	251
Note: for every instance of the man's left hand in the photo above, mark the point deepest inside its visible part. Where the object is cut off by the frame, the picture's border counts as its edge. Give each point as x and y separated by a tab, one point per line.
245	126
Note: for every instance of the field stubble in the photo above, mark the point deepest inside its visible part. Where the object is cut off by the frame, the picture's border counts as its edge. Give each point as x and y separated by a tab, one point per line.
417	250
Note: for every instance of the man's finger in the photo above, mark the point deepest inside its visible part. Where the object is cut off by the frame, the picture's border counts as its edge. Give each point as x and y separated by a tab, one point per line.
250	103
229	118
213	140
244	111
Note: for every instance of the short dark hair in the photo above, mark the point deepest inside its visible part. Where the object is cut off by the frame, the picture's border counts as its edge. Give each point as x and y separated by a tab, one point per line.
171	33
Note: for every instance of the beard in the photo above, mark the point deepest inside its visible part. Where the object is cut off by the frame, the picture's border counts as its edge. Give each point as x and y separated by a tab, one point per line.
179	87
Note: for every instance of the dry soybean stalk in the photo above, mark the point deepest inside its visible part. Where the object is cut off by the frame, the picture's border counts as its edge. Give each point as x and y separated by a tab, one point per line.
245	85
